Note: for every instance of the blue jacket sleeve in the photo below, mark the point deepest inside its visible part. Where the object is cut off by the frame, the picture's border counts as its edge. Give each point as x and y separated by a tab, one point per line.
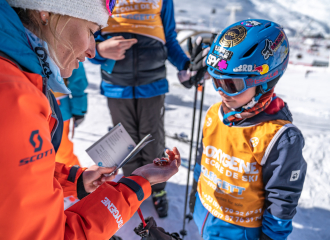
106	64
77	83
283	175
98	59
175	53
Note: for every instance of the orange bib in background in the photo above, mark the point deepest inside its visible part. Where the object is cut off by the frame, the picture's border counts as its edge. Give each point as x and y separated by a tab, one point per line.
137	16
230	185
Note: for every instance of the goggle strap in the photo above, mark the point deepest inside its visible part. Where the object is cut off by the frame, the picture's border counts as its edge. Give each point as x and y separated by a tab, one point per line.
227	115
256	98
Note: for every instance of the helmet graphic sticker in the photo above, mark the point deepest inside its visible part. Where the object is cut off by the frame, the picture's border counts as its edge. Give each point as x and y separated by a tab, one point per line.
251	23
267	51
217	62
263	69
272	47
222	52
233	36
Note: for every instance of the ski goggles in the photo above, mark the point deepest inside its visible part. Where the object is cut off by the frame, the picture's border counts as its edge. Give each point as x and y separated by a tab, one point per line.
231	86
111	5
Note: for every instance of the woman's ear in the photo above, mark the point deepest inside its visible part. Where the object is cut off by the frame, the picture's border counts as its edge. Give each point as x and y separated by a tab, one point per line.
44	16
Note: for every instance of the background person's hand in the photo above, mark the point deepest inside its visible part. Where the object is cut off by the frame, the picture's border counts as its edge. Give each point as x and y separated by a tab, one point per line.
115	47
158	174
196	70
93	177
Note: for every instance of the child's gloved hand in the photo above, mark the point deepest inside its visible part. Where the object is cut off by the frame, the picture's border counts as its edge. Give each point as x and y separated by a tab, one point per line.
152	232
195	71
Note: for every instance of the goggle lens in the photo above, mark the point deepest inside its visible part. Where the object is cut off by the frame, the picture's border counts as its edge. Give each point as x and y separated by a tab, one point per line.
229	85
111	5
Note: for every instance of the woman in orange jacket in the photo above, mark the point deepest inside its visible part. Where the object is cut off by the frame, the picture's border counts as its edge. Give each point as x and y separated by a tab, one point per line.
42	41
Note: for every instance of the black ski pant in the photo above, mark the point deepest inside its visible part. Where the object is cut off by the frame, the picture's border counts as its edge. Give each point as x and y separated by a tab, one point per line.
140	117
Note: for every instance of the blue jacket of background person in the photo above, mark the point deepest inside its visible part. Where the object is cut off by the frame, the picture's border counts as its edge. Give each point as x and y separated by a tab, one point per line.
142	74
76	104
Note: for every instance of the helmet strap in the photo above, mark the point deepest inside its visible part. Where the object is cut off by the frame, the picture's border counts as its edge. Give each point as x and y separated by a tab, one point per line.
266	87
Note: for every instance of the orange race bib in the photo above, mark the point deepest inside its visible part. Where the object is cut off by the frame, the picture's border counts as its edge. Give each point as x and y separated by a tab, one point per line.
230	185
137	16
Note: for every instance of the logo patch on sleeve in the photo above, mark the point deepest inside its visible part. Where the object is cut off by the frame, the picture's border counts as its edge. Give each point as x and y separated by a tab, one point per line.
294	175
209	122
254	141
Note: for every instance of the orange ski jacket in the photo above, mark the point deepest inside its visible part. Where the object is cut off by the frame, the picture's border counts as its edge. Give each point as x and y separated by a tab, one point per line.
33	185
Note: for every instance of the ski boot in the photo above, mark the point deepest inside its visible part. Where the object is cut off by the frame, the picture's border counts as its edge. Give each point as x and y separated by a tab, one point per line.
160	202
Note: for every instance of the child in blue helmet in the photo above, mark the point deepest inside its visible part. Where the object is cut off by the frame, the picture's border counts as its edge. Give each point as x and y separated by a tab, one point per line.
250	171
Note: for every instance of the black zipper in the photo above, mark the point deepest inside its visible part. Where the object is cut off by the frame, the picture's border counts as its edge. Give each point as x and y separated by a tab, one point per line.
44	85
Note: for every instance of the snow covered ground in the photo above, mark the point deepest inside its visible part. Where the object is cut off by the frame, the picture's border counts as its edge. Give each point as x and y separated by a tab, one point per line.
308	100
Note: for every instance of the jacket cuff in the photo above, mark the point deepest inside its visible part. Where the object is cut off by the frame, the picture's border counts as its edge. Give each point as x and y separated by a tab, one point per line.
81	192
186	65
98	56
139	185
68	176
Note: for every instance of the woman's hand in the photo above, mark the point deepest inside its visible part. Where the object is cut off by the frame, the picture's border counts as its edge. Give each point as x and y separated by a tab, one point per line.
158	174
114	48
93	177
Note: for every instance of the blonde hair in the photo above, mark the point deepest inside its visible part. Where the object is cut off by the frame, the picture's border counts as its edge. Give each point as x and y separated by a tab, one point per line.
32	21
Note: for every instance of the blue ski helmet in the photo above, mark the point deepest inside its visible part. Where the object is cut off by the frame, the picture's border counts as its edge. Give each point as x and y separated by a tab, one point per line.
255	51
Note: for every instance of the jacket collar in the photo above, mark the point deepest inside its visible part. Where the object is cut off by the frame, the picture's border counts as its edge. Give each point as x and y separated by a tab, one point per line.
282	114
14	42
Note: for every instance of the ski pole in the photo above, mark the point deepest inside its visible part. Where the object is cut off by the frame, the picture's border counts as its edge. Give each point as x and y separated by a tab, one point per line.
183	232
200	119
190	216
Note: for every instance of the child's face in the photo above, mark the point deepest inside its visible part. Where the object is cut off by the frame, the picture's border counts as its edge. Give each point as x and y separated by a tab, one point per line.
238	100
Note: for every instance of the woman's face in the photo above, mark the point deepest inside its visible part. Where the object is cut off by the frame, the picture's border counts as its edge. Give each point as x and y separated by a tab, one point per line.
76	41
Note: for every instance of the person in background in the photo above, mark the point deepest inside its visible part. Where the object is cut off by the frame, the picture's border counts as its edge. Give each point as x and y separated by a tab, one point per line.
135	84
72	107
250	172
41	42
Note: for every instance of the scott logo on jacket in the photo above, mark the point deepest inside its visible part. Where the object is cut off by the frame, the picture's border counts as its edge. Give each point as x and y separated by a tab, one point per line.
37	143
35	135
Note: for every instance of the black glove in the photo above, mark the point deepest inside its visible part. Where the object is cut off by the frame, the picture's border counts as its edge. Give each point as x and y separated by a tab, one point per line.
197	66
152	232
77	120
